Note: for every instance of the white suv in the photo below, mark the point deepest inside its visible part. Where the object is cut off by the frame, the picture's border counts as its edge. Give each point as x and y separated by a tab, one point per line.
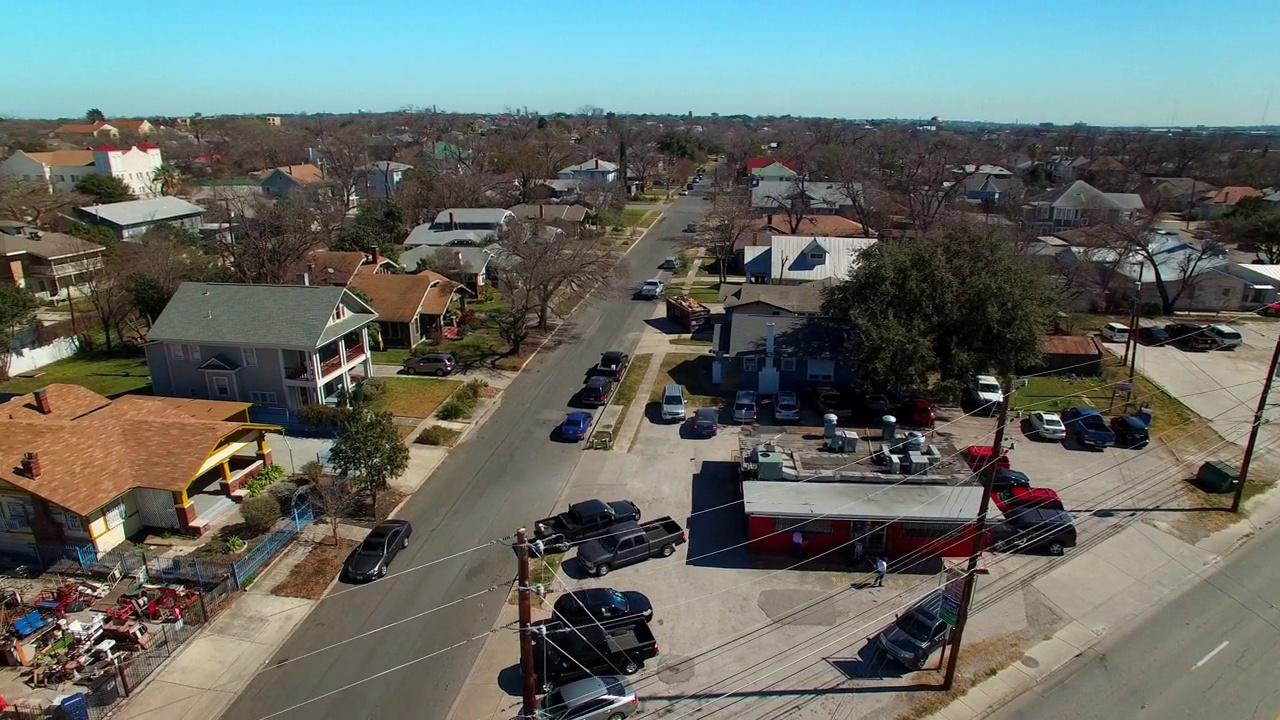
986	393
1226	338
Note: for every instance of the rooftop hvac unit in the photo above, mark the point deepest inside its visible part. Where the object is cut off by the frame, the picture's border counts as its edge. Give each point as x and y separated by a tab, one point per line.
769	465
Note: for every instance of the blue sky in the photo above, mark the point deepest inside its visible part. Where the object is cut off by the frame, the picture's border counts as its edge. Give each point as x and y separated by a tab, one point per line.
1152	62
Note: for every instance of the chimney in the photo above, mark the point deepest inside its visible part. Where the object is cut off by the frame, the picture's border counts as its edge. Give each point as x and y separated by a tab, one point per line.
42	401
769	219
453	224
304	278
376	252
597	163
768	339
31	465
542	212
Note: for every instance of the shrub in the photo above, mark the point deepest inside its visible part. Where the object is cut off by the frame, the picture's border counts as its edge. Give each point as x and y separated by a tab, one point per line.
455	408
368	391
259	482
311	472
470	392
234	544
439	435
282	493
467	320
260	513
323	415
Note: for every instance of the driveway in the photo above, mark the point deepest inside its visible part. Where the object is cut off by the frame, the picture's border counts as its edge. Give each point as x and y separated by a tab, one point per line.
506	475
1221	386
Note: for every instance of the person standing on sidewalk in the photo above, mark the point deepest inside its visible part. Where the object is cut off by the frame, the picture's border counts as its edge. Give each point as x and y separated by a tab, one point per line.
882	568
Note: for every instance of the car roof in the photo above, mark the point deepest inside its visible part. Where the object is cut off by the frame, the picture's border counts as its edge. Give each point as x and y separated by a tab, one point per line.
1133	422
597	381
613	354
578	416
587	596
584	690
653	280
986	378
1013	473
745	395
707	412
1080	410
1117	326
673	389
1223	328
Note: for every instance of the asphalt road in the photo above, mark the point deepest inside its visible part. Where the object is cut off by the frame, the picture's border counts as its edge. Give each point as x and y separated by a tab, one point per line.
1213	652
506	475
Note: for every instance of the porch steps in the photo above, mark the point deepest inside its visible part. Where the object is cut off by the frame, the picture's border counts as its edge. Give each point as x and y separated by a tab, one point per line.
238	495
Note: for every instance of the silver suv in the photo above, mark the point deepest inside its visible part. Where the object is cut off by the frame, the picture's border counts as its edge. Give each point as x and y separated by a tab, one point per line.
673	405
439	365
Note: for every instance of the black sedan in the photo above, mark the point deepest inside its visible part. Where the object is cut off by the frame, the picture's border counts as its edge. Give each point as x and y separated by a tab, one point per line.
379	548
605	607
706	421
1151	335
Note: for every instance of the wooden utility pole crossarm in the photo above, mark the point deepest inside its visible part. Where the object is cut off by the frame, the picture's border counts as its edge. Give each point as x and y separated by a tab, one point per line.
530	689
1259	416
979	539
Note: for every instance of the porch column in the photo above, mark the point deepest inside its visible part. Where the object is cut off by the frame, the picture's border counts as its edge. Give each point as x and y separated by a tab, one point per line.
227	485
367	363
264	450
186	511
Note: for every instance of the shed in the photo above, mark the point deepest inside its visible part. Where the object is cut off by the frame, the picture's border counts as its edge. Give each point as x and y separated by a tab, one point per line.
1071	355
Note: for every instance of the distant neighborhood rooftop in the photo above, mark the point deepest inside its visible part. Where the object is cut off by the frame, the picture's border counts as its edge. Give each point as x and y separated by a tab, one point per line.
140	212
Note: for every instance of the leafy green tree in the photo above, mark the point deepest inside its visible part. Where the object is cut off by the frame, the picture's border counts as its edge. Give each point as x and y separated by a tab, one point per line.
368	450
17	312
169	178
103	189
94	234
94	115
957	302
1254	225
380	224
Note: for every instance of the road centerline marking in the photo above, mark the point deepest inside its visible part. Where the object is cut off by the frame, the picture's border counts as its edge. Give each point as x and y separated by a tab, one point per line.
1212	652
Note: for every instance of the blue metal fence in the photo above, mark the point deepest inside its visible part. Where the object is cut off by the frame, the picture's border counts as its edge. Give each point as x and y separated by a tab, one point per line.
275	541
288	420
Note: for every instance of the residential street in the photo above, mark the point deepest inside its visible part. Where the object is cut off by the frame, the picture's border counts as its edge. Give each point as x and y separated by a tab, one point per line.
1212	652
507	474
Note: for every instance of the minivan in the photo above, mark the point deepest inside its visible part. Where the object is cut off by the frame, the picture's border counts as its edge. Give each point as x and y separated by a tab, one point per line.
673	405
744	407
1115	332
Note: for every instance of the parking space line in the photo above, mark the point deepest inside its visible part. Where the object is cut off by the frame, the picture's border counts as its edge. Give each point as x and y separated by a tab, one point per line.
1212	652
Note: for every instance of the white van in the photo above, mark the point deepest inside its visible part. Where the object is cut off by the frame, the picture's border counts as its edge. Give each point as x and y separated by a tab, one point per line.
1115	332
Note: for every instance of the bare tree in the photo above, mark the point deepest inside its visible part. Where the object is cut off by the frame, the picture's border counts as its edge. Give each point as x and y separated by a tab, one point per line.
445	261
344	152
335	499
273	240
925	173
728	225
108	290
645	162
549	265
32	202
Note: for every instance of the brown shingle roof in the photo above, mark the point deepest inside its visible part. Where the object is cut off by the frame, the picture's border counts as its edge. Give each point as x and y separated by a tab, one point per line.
90	458
303	174
1230	195
816	225
333	267
401	298
82	129
63	158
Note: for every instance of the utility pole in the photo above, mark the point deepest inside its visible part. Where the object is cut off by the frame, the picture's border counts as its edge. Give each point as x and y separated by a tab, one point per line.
979	538
526	625
1257	427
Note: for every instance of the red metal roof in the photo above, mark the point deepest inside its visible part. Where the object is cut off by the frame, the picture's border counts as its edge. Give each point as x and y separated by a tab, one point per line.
763	162
106	148
146	146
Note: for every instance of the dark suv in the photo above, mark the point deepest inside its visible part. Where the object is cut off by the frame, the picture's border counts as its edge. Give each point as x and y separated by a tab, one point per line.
596	391
1034	528
916	634
1190	336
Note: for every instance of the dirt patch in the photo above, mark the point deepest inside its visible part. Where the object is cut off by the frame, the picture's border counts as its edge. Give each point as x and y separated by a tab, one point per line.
312	576
978	661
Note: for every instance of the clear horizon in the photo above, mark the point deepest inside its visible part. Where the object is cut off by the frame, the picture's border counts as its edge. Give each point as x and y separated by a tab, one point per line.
1139	63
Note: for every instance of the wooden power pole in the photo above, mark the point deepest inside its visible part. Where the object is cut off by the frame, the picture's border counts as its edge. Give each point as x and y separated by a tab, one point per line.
1258	419
979	539
526	625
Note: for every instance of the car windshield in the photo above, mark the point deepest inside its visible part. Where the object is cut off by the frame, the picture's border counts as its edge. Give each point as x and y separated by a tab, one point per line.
618	600
745	406
609	543
787	405
373	545
990	388
915	626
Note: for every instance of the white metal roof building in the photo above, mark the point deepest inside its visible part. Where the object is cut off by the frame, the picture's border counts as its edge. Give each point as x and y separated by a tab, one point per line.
862	501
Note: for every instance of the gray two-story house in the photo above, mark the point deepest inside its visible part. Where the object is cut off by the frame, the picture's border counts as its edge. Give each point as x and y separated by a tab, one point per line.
273	345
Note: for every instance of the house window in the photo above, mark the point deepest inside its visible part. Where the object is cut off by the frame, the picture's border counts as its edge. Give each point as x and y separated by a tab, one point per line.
193	352
816	527
394	330
817	256
176	351
749	363
73	523
250	357
262	398
16	515
822	370
788	364
115	513
221	387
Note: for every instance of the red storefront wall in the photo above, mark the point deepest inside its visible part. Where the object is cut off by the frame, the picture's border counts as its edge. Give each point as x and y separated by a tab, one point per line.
901	538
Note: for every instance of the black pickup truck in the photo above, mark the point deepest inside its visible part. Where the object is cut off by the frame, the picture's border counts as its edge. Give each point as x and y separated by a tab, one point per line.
612	364
563	655
583	521
630	543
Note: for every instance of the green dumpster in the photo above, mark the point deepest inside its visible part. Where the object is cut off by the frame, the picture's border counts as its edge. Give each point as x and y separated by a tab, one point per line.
1216	476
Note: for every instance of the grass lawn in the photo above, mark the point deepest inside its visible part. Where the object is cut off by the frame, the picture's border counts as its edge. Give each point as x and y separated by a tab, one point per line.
694	373
650	220
1051	393
104	374
631	216
702	293
630	385
690	341
414	397
391	356
707	267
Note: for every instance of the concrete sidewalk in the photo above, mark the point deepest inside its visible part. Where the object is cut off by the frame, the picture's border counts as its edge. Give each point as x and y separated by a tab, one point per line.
205	676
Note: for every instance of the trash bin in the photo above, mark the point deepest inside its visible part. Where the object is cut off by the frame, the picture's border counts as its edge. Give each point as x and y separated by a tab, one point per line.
1215	476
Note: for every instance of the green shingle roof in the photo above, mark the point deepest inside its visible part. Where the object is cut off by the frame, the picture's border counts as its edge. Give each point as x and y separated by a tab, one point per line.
284	316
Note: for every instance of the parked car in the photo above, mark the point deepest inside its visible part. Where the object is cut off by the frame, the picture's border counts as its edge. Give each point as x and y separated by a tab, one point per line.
673	404
1034	528
1226	338
691	228
594	698
670	263
1130	431
1048	425
1270	309
915	634
831	401
876	406
1152	335
1020	497
596	391
1190	336
583	521
371	558
1087	426
684	192
652	288
575	425
744	407
612	364
985	394
786	407
435	364
917	412
1006	479
591	651
603	607
1115	332
630	543
978	457
706	422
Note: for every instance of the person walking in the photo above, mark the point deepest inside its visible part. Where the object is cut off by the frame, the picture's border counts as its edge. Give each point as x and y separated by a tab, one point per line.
882	567
797	543
858	551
